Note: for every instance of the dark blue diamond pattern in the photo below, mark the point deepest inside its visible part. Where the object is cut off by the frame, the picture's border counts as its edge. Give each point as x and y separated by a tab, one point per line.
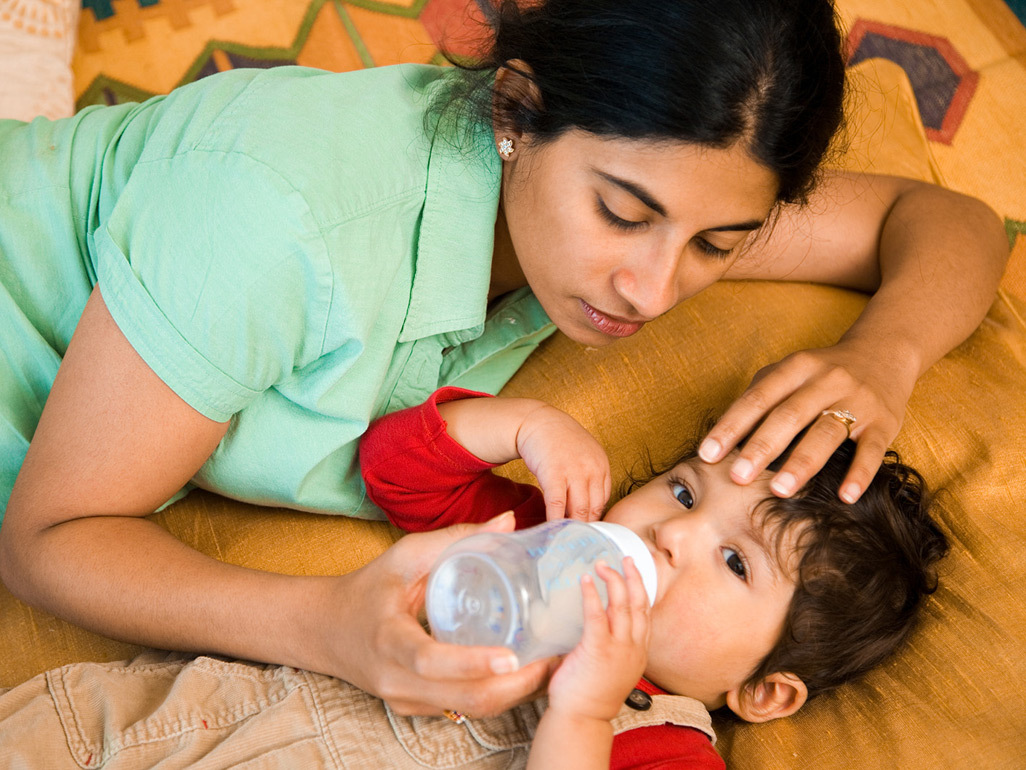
932	79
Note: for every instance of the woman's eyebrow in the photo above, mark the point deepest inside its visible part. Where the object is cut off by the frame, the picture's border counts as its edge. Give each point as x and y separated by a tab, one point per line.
636	190
751	224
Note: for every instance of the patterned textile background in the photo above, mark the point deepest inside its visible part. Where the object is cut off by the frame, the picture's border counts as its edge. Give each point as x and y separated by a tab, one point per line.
966	60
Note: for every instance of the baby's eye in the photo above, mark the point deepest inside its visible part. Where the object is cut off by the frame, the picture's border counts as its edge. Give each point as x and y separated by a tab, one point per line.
735	563
683	495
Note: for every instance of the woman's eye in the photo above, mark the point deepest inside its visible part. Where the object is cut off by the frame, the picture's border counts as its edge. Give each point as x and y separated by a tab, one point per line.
735	562
683	495
707	248
618	222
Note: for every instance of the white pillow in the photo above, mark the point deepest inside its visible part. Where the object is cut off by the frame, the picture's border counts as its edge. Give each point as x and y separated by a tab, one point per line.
37	39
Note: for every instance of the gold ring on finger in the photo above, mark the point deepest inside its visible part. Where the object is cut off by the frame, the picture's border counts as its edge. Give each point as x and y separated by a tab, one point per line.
843	416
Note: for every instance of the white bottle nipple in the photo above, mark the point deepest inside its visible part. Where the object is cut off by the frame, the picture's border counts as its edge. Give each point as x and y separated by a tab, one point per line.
632	545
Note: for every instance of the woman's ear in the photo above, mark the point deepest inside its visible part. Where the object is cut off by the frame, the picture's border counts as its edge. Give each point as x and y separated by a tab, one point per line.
514	92
778	695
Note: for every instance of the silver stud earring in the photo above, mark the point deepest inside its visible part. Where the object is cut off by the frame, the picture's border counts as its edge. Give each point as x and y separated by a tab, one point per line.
506	147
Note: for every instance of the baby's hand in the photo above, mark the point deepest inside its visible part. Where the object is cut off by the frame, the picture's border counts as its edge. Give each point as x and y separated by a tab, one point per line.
570	465
597	676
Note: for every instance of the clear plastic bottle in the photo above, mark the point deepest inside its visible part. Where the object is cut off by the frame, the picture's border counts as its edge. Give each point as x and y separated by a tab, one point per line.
521	590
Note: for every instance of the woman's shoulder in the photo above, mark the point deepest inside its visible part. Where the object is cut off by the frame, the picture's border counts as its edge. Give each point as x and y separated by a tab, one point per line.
291	97
340	138
289	94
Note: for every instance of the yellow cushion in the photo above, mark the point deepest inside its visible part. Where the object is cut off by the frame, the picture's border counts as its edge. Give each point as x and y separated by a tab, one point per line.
954	694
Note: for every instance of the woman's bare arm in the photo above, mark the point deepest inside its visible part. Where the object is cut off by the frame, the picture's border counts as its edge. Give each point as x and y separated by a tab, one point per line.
113	443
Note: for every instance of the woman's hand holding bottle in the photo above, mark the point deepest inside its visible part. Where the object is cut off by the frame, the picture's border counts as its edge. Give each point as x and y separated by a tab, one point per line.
376	641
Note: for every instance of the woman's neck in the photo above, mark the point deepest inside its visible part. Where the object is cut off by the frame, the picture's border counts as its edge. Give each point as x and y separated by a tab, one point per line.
506	273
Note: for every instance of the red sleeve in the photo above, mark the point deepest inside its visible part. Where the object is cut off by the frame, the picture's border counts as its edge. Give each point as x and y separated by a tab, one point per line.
422	479
664	747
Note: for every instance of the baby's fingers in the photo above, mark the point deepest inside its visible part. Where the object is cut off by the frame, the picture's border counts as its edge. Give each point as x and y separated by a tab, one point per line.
578	505
600	488
638	601
587	497
620	607
576	495
557	499
636	590
595	621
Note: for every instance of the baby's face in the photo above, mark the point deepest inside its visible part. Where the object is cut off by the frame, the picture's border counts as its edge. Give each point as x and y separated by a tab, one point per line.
723	592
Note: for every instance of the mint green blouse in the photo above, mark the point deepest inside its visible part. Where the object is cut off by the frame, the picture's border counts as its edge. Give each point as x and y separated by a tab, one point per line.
287	249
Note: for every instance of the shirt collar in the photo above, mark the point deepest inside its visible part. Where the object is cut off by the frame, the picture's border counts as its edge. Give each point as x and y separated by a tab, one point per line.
456	238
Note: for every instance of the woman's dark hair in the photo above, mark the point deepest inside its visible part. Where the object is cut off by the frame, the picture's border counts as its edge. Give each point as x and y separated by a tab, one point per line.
862	572
768	73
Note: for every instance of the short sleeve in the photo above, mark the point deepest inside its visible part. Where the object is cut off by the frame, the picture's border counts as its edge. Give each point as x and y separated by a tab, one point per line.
214	270
423	479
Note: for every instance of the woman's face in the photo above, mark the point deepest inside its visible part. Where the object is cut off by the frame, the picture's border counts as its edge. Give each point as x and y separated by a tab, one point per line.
612	233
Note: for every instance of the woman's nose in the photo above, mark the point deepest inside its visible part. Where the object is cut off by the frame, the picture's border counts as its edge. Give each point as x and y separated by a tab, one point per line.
649	283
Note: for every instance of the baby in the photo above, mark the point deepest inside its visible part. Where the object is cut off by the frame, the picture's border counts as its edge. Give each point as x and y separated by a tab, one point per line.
762	602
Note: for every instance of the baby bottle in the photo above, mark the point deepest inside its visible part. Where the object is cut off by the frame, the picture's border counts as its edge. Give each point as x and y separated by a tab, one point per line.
522	590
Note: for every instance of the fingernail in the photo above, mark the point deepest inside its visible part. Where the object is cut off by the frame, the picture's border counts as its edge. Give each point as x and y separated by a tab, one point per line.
784	484
850	492
710	450
505	664
743	469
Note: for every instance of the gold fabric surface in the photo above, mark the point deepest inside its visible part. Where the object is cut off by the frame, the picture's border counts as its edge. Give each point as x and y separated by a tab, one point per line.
953	698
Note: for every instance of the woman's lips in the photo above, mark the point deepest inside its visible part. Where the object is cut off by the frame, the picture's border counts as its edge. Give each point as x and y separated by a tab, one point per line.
611	325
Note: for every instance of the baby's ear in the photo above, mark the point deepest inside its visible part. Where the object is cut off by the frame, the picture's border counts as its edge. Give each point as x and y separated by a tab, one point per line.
777	695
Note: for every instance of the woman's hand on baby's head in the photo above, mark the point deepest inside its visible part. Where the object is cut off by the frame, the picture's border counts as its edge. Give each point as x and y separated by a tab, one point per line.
569	463
793	394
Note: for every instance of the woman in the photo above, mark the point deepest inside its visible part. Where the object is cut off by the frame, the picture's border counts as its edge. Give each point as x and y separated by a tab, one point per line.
257	265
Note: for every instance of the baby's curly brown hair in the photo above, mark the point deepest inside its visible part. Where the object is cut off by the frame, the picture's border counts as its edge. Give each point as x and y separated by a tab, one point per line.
863	570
